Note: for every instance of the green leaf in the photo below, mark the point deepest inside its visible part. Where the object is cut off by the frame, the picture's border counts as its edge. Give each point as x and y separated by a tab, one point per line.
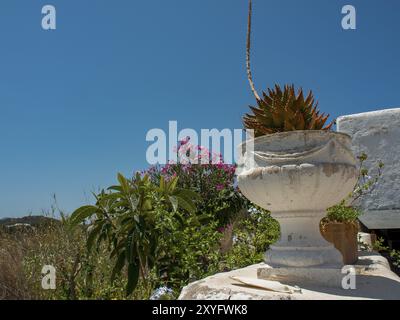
133	278
117	204
92	235
111	196
123	182
117	249
172	185
118	266
188	194
82	214
147	205
187	205
115	188
146	178
180	219
174	202
162	184
131	252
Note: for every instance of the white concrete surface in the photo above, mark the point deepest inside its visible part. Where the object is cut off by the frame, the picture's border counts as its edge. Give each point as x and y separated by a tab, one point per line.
374	281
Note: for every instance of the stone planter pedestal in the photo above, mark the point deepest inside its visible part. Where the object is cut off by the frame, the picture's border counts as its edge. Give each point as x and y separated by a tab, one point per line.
298	175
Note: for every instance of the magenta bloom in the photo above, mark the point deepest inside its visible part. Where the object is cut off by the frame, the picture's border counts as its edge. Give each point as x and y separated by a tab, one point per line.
220	187
184	141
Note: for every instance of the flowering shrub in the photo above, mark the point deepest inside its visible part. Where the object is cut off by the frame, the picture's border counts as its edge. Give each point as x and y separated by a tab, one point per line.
205	173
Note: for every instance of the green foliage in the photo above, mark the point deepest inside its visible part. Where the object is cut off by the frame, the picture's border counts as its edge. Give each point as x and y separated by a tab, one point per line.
126	218
343	213
394	255
347	211
379	245
254	233
188	251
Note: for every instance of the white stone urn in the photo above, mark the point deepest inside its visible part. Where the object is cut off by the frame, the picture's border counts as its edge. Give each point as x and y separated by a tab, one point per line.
297	175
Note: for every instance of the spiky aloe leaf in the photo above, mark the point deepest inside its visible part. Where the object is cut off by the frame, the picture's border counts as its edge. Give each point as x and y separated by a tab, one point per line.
283	110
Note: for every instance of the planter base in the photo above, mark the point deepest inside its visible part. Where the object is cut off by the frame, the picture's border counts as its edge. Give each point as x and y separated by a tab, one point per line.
301	244
321	277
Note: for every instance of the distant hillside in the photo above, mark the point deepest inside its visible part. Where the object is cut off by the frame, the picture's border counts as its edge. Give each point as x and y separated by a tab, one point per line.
34	221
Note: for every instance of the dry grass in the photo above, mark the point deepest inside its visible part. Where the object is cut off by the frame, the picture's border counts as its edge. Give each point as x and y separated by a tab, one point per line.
24	253
13	283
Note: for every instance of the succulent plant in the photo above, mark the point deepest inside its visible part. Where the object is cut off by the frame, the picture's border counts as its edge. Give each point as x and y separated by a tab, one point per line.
284	110
281	110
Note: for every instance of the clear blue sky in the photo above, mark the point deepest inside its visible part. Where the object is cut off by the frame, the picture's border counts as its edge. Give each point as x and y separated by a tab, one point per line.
76	102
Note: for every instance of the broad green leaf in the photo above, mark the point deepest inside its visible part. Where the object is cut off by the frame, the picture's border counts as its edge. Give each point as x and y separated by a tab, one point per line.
187	205
117	249
131	253
118	266
82	214
174	202
111	196
133	278
162	184
180	218
92	235
172	184
115	188
187	194
147	205
123	182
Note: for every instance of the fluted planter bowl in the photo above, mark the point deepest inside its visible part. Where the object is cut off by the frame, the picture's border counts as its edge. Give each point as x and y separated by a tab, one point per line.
297	175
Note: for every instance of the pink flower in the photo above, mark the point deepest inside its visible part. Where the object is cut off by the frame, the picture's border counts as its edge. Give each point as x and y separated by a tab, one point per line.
220	187
183	142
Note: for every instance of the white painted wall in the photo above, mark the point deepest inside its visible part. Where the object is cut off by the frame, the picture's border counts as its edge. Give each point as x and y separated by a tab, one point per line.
377	134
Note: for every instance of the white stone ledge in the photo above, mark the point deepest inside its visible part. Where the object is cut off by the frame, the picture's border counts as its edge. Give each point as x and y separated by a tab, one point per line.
375	281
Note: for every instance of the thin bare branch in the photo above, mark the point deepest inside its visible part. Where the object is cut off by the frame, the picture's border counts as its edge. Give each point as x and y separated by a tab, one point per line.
249	75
